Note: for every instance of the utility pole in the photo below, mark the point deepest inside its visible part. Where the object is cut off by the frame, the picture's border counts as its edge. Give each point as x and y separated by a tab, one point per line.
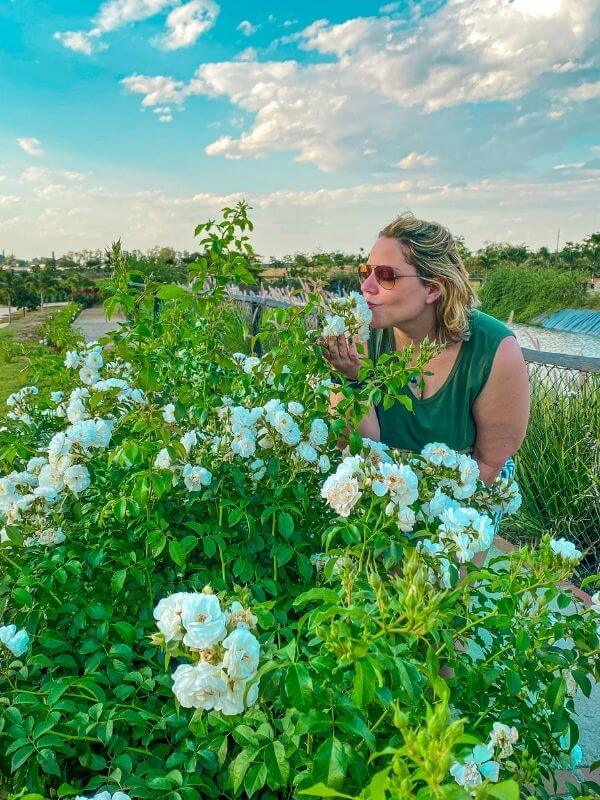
557	238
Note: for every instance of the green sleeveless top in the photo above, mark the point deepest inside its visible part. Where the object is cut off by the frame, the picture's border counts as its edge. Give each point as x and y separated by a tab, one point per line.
447	415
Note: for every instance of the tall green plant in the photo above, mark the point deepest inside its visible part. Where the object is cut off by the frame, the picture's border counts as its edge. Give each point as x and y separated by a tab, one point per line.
559	463
530	292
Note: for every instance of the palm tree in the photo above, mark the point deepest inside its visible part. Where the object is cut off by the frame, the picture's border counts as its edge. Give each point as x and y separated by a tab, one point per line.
8	287
42	280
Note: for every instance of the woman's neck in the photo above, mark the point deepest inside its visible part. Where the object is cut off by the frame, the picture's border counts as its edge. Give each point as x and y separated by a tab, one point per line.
415	331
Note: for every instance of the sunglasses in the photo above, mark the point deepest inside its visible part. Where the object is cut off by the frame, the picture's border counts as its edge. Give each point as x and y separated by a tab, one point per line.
385	276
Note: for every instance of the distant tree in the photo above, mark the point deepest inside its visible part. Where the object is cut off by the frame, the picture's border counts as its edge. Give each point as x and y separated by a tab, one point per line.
9	280
43	280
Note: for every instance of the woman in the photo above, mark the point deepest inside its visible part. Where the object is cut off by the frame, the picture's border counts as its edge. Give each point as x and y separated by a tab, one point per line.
476	397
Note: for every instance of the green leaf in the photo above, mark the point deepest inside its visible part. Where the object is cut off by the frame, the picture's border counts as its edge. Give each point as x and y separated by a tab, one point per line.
47	760
556	693
320	790
278	769
409	677
507	790
171	291
355	443
255	778
20	757
298	685
326	595
117	581
126	631
513	683
285	524
239	766
177	552
330	763
363	689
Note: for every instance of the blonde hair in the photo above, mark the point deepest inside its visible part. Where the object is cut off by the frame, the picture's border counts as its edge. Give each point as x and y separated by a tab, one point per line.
431	249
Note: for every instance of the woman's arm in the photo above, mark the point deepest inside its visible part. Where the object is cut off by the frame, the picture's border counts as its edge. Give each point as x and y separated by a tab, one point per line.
345	358
501	410
368	426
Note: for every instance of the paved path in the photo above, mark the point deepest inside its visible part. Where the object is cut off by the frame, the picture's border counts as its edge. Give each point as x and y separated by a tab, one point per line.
94	324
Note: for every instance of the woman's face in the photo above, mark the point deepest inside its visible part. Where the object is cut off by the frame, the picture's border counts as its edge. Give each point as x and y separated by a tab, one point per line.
408	300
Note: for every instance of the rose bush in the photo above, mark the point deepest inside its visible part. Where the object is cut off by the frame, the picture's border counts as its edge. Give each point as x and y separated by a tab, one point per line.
202	595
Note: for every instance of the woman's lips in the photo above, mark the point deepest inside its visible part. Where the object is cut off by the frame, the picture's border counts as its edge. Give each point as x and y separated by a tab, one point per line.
372	305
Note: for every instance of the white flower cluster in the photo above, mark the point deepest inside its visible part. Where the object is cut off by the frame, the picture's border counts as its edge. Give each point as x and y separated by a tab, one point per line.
226	653
19	405
262	428
17	641
115	375
480	764
106	796
348	316
565	550
195	477
431	489
464	484
254	365
47	477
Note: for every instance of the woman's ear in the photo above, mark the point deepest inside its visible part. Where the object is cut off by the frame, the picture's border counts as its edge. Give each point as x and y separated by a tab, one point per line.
435	290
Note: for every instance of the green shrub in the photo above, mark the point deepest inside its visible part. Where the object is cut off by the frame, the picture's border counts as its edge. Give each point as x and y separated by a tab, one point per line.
559	463
531	292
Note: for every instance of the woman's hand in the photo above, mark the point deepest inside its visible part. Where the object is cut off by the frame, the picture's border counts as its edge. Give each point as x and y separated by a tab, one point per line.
342	354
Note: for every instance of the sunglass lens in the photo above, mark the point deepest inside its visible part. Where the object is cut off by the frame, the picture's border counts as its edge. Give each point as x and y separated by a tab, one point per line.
385	277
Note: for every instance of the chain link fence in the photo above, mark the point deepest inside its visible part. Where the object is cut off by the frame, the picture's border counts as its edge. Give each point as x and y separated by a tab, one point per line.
558	465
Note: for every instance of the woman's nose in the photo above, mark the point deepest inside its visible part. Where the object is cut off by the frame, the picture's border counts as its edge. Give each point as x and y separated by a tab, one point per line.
370	285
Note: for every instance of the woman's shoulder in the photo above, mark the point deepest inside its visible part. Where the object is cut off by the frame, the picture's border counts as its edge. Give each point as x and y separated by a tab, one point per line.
486	328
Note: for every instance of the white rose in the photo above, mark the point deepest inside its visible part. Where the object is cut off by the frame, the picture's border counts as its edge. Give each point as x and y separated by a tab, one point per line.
565	550
188	440
162	460
168	616
88	375
242	654
200	686
72	359
341	492
232	701
203	620
196	477
77	478
169	413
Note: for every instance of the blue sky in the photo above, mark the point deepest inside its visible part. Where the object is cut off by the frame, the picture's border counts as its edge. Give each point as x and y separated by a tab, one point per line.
139	118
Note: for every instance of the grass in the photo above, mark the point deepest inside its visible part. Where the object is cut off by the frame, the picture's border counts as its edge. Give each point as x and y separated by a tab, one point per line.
14	341
558	466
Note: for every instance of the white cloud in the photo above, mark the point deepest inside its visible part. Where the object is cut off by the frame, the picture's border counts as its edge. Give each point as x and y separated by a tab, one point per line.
157	90
46	175
301	219
247	28
115	14
289	22
389	8
385	76
186	23
80	41
414	159
248	54
32	146
576	165
8	199
582	93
